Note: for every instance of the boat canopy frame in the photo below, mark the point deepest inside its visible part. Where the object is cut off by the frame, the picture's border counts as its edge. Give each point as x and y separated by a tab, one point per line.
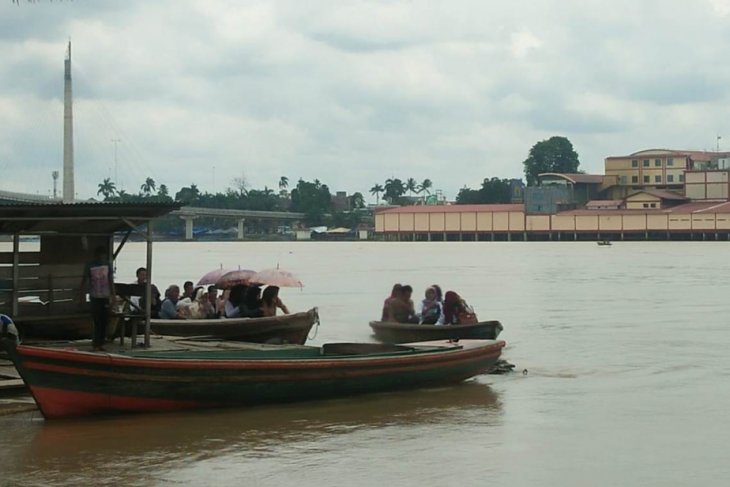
101	221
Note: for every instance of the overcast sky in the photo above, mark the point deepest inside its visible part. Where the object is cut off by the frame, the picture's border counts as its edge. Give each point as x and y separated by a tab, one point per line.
353	92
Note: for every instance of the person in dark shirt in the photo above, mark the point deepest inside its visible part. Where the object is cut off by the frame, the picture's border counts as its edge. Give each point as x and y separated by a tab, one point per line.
142	281
98	281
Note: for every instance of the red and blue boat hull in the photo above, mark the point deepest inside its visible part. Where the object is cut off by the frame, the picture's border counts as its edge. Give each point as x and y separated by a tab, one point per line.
67	383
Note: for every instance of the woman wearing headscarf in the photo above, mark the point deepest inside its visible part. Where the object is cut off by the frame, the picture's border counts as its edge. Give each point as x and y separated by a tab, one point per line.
456	311
270	301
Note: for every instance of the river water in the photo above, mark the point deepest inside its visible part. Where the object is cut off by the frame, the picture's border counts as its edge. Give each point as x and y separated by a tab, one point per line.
621	353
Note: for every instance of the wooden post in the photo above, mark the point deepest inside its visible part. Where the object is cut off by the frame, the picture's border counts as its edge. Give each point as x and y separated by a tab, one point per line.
148	288
16	272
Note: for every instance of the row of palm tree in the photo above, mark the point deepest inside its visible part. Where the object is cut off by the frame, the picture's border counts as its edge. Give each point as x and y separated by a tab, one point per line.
108	189
394	188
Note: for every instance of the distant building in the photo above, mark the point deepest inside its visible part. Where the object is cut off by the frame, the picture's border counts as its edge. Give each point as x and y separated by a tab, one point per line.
340	201
517	190
563	191
653	198
708	184
661	168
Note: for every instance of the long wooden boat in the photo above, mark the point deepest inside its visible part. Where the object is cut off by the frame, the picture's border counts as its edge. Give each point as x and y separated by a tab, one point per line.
68	383
283	329
390	332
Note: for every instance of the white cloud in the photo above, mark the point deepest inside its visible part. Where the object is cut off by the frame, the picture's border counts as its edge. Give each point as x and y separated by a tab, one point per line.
353	92
523	42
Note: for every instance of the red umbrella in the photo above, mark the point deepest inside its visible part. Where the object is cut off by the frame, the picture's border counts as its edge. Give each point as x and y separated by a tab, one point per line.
277	277
212	276
234	278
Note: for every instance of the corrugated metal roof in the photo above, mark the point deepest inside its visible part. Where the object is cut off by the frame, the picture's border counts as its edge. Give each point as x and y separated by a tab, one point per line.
576	178
79	217
687	208
454	208
659	193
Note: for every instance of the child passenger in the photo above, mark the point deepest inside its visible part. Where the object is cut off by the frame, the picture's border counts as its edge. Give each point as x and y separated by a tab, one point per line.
430	312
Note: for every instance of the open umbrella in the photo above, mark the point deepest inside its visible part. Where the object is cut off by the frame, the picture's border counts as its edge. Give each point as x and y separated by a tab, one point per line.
212	276
234	278
277	277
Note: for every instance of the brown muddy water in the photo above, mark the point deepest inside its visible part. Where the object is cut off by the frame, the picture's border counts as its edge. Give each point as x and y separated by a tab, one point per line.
625	350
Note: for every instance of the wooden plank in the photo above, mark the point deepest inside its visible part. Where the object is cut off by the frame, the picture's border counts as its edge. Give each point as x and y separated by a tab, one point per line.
25	257
70	283
56	271
11	385
24	270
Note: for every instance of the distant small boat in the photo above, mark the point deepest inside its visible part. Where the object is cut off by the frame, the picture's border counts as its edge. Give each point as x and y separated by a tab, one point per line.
604	242
390	332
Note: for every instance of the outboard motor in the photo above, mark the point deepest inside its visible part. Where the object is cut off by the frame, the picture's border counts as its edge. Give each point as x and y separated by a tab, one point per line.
8	329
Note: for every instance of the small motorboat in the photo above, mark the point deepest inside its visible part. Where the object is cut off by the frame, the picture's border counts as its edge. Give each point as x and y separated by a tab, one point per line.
292	328
67	382
604	242
391	332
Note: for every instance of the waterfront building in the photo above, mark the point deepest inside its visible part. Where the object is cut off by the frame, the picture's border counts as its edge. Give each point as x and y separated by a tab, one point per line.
660	168
651	194
689	221
708	184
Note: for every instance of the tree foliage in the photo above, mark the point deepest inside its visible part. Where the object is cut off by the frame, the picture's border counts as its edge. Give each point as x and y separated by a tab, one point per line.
393	190
493	190
555	154
313	199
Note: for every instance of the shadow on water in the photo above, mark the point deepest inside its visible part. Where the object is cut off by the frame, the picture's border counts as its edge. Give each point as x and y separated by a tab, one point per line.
60	451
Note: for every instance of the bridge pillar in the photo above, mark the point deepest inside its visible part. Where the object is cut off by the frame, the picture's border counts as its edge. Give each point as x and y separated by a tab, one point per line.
188	226
240	228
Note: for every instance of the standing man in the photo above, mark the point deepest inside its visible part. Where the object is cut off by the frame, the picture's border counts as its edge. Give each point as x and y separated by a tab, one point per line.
142	281
98	280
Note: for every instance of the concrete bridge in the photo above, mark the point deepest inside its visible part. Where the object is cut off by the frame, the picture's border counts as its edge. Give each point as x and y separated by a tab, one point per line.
190	213
187	213
14	197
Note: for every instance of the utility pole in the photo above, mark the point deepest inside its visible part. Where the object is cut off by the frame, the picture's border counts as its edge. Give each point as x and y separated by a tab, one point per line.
718	143
54	175
115	142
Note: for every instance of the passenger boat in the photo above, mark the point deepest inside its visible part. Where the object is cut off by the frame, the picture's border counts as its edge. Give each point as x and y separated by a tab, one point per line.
292	328
71	383
390	332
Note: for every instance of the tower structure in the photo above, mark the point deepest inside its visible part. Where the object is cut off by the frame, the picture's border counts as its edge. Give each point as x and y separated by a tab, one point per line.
68	133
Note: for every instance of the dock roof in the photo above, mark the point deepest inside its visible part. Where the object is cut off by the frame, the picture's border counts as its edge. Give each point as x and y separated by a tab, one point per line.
79	218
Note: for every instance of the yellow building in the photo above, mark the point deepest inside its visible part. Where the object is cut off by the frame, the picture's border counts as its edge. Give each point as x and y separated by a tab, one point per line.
654	168
696	221
711	184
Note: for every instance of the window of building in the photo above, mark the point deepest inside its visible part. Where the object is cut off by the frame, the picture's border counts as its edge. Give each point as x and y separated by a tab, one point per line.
670	178
646	179
646	162
658	162
646	205
622	180
634	179
653	205
681	178
670	162
657	179
634	163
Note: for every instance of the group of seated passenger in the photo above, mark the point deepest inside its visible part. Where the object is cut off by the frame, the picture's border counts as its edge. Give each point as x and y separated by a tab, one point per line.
238	302
435	308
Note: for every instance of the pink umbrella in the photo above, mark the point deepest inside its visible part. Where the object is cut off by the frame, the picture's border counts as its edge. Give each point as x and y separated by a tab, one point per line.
234	278
212	276
277	277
